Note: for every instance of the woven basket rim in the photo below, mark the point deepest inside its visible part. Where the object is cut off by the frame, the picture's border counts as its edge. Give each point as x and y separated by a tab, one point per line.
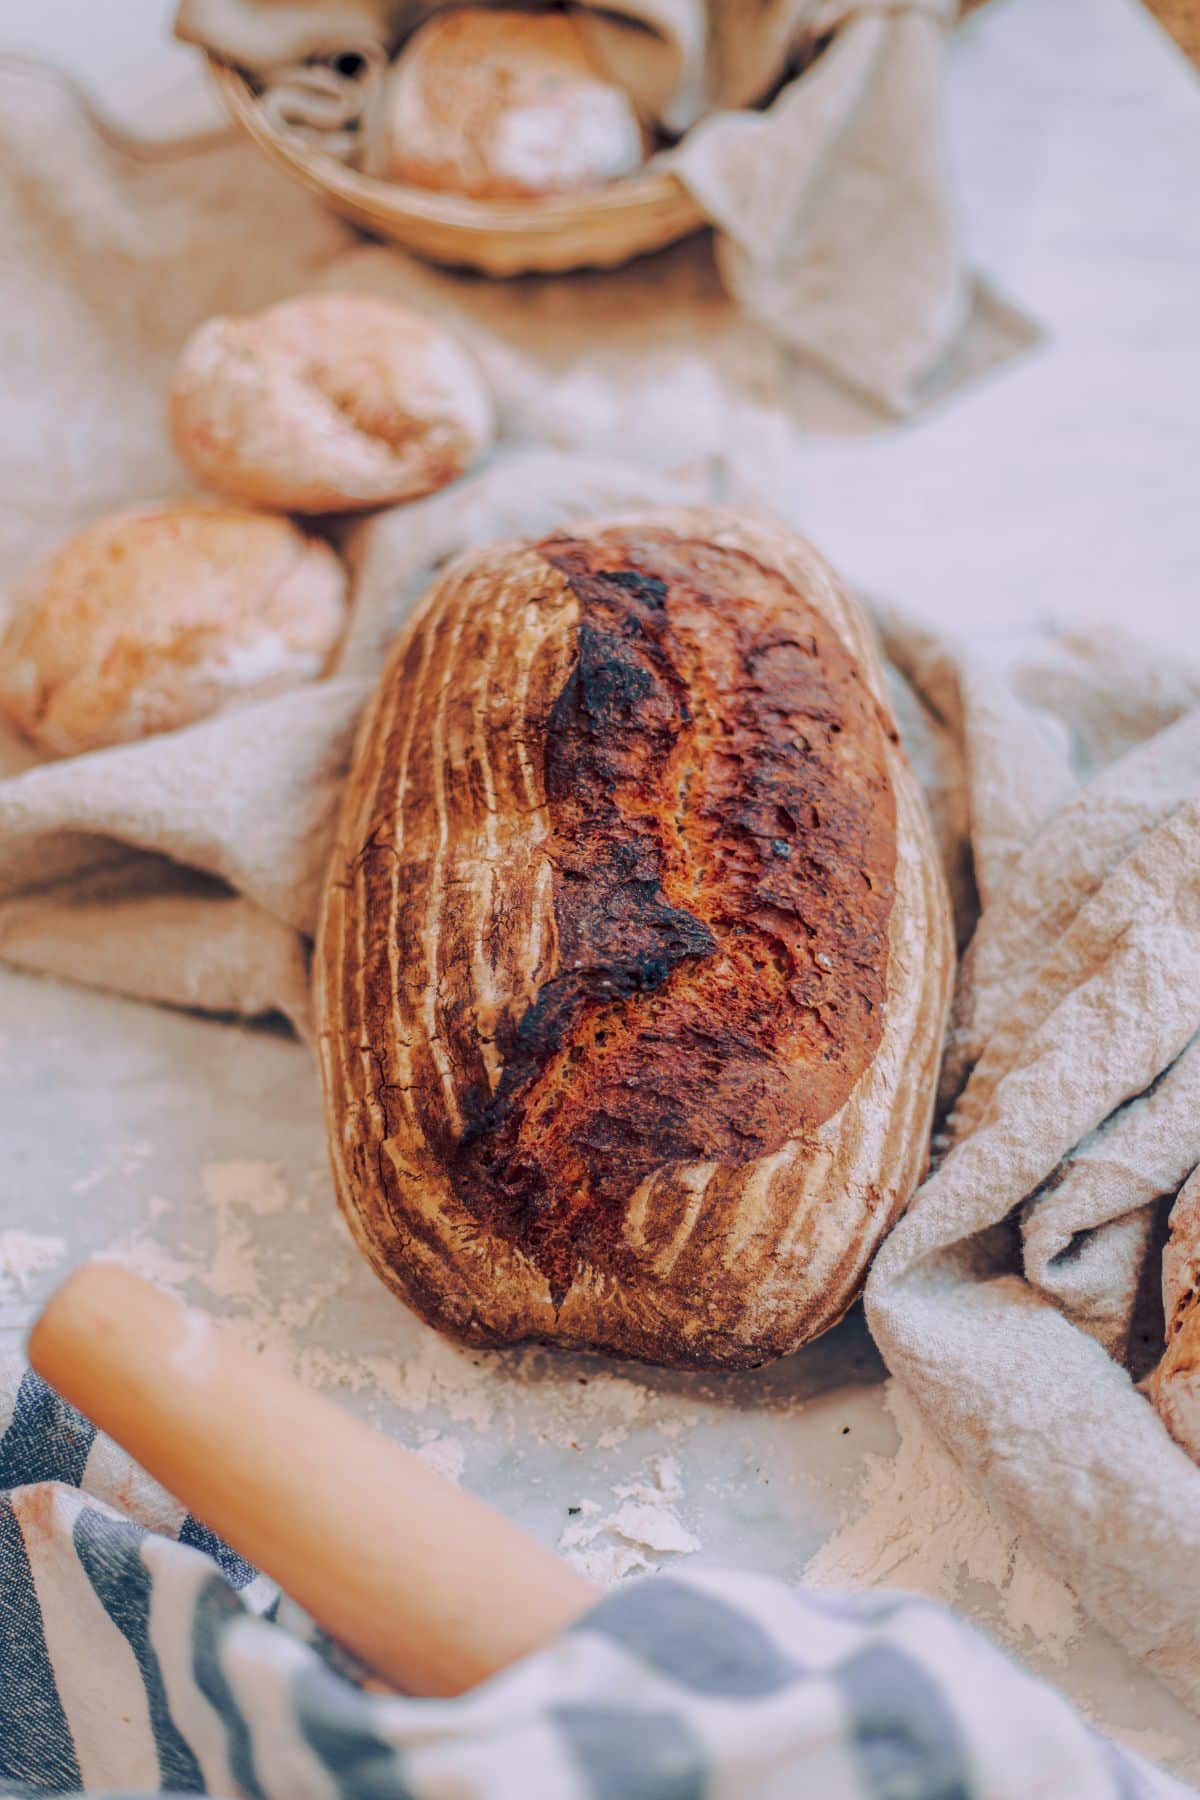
647	189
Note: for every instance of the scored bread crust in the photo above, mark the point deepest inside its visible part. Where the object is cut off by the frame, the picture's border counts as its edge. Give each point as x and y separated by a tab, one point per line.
635	951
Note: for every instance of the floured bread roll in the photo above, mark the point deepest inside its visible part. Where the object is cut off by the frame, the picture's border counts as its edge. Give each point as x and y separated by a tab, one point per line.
635	950
328	403
505	105
154	618
1174	1387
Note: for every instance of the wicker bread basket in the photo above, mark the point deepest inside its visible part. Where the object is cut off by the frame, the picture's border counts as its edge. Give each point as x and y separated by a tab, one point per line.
597	229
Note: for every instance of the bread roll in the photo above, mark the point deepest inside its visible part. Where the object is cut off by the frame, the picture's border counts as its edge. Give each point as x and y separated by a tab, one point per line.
327	403
154	618
1174	1386
505	105
635	949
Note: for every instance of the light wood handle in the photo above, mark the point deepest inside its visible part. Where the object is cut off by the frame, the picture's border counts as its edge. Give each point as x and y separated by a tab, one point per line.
429	1586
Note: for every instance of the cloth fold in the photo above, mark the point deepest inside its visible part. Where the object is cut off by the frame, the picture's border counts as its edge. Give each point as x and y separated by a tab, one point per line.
851	268
1024	1277
141	1653
836	231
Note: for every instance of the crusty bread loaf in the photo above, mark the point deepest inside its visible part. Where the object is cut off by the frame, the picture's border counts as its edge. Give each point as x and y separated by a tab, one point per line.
327	403
1174	1386
505	105
635	949
154	618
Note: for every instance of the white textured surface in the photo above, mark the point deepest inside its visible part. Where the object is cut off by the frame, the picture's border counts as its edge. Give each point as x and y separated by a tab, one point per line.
1064	485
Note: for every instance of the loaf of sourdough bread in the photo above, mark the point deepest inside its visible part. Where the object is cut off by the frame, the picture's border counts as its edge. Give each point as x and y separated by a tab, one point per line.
635	952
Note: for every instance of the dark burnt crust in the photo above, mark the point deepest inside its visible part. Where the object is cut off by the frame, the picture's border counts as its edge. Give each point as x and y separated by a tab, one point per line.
723	852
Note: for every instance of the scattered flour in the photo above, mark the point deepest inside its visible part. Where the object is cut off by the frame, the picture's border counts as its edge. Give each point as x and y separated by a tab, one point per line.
441	1374
147	1257
447	1455
317	1366
612	1397
245	1186
925	1529
243	1198
132	1158
644	1521
237	1192
921	1527
24	1255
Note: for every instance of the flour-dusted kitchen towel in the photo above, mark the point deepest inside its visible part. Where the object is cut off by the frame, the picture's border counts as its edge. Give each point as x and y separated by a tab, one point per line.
836	230
139	1653
1018	1300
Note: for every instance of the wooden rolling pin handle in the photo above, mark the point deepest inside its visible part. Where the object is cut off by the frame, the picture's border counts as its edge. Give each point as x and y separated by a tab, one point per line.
429	1586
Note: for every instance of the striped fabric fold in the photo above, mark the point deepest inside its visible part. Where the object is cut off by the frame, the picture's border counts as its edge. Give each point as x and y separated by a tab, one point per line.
140	1656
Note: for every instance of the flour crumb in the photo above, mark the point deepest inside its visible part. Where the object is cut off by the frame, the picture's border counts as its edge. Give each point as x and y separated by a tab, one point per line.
253	1187
656	1528
666	1482
579	1531
610	1563
923	1528
23	1256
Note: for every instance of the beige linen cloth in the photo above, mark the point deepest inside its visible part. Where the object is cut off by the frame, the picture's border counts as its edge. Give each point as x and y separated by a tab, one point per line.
1019	1296
1064	776
835	226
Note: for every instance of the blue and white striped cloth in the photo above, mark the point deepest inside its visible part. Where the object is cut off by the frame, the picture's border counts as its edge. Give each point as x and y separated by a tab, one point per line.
139	1655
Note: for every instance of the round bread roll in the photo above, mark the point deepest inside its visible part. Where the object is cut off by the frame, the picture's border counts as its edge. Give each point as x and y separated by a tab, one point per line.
155	618
327	403
635	951
505	105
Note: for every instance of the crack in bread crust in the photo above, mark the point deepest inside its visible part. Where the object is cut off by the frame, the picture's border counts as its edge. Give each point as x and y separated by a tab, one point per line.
723	846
